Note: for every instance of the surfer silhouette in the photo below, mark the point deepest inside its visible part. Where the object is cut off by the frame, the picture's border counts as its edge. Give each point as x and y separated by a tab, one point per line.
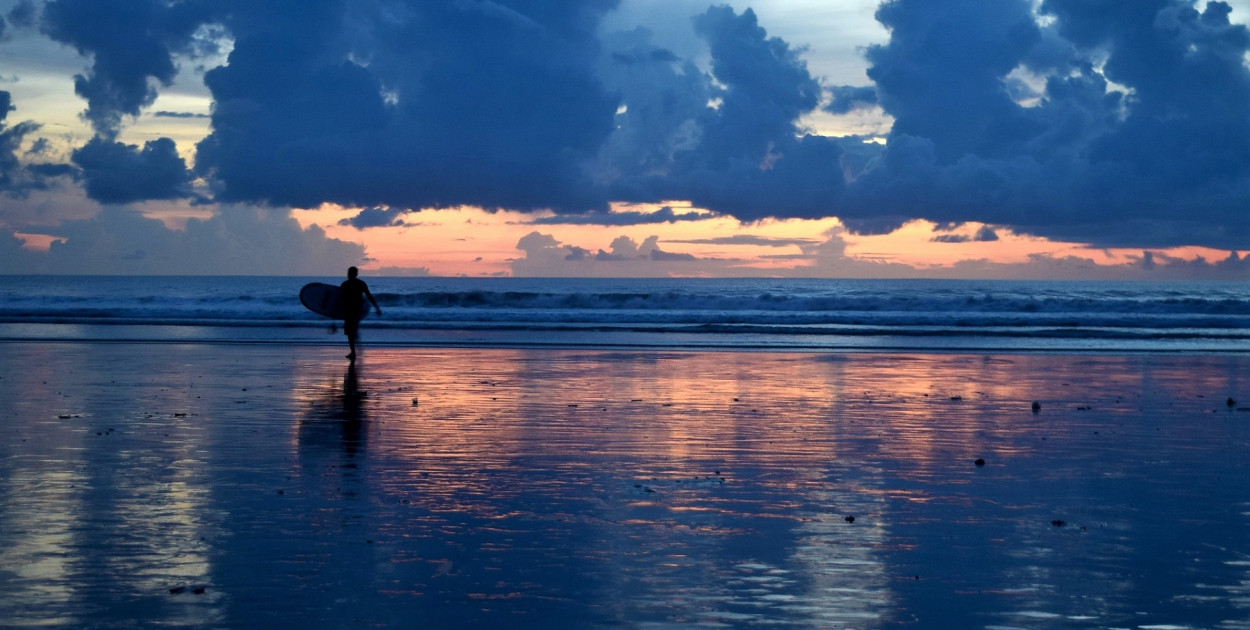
354	293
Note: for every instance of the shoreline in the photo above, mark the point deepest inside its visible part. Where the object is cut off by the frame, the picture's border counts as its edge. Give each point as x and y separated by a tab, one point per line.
855	345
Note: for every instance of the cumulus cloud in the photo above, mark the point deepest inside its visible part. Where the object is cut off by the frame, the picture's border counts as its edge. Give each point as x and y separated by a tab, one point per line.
376	217
545	256
10	141
847	98
1166	162
23	14
1118	124
120	173
16	179
494	104
236	241
418	104
743	154
130	43
983	235
827	257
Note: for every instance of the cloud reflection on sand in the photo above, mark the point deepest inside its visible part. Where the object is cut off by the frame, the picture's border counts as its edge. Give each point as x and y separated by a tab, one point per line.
100	488
543	488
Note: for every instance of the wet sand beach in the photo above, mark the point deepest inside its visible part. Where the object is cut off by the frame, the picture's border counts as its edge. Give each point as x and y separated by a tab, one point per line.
270	486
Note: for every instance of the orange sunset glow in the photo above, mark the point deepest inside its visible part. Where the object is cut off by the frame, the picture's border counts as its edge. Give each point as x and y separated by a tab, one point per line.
469	241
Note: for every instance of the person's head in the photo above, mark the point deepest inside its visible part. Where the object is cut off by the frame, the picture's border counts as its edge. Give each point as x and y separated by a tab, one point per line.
352	272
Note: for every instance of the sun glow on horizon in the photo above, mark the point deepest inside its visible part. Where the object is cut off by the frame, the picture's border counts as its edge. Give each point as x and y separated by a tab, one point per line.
469	241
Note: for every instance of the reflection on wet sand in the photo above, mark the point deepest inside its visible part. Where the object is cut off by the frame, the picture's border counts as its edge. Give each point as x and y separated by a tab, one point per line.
335	420
538	488
103	513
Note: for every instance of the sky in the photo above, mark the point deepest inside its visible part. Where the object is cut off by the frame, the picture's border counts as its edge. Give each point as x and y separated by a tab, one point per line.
1067	139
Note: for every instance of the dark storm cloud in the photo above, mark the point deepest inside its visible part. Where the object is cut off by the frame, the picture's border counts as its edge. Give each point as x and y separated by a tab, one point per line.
419	104
121	173
1187	122
1114	123
1167	163
941	75
743	156
509	105
437	104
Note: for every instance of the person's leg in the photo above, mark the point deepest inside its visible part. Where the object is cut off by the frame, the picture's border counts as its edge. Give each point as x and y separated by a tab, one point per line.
351	328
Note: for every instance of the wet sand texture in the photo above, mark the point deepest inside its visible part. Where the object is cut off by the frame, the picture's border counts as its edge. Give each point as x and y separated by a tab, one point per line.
253	486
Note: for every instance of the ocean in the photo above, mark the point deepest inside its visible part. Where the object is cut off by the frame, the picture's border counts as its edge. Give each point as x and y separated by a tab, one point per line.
540	454
751	314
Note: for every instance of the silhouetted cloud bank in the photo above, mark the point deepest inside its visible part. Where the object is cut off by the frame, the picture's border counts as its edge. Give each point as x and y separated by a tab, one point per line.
1112	123
238	241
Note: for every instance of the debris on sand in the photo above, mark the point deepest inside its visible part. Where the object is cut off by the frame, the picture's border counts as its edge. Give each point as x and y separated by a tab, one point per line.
703	481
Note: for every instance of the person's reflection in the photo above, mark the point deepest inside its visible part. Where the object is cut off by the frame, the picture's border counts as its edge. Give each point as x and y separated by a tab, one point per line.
353	415
336	424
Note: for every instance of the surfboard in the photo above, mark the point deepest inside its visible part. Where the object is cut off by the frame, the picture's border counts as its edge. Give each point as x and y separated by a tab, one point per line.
327	299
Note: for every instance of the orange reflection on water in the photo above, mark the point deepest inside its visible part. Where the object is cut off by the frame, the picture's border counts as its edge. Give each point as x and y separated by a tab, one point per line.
648	488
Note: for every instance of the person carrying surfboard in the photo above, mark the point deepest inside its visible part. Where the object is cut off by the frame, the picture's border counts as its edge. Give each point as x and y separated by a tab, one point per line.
354	293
